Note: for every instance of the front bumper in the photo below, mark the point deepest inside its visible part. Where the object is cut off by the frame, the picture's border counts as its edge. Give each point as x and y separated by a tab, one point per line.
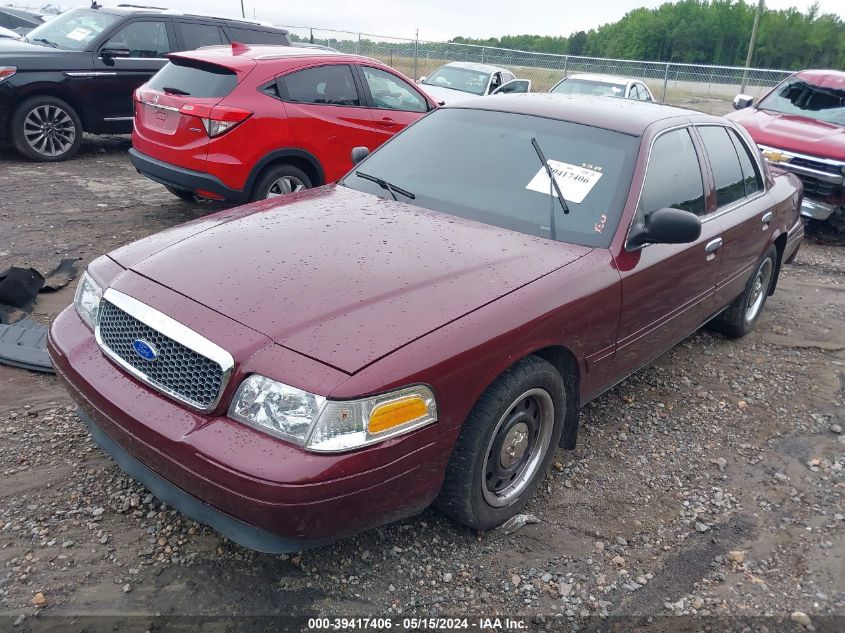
185	179
233	529
816	210
197	462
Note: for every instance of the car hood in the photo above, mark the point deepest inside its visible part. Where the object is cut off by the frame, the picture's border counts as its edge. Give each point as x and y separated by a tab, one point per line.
793	133
345	277
447	95
34	57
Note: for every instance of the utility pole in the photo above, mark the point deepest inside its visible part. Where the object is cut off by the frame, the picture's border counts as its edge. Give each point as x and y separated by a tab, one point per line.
243	11
751	45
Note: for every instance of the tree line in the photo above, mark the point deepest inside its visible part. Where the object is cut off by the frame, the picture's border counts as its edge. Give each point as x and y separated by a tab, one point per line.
701	32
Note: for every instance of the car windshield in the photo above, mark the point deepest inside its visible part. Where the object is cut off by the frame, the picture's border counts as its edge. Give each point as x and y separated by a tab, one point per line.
456	78
481	165
805	99
73	30
589	87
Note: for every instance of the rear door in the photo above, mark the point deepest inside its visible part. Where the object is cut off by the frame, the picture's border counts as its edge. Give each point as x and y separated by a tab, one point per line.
742	207
167	125
327	114
148	40
395	103
667	289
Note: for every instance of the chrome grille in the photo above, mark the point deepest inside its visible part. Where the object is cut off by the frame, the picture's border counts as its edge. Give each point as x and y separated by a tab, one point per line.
177	370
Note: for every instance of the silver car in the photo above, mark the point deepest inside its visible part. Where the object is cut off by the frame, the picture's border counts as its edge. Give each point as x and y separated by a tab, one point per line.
462	80
604	86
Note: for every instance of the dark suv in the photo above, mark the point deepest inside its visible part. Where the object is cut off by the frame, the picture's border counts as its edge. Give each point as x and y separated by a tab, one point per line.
77	72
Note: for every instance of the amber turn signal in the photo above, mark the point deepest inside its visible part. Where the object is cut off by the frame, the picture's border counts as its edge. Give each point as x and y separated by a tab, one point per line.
389	415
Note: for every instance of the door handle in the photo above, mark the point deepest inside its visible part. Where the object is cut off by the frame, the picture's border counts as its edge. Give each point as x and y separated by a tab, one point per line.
713	245
387	122
767	217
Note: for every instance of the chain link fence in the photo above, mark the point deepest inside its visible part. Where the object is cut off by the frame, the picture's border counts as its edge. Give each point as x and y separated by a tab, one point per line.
706	88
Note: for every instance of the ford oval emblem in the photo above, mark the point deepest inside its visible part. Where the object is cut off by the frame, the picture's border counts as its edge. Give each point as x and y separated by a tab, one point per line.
144	349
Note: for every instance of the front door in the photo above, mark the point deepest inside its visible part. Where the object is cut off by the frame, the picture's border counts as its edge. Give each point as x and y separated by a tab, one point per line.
394	102
667	289
148	41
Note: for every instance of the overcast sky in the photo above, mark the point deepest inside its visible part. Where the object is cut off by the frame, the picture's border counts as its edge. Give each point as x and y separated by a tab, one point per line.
438	19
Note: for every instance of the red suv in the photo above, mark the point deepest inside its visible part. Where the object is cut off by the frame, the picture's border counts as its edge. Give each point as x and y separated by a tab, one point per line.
244	123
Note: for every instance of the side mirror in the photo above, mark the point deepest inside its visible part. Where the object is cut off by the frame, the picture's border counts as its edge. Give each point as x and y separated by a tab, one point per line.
667	226
358	154
111	51
743	101
513	86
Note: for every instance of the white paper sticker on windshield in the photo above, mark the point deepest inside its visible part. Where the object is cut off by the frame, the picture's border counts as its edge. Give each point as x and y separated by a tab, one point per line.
78	34
574	182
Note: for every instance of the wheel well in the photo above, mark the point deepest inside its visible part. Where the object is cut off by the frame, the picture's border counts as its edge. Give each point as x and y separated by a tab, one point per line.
780	245
567	366
48	92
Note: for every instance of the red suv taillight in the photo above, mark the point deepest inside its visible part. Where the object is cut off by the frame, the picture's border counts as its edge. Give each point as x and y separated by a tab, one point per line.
216	120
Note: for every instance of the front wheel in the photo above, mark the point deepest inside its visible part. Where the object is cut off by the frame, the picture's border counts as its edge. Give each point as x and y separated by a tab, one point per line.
46	129
506	445
739	317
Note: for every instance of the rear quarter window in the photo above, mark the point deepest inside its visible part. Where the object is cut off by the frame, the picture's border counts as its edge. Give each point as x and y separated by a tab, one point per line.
195	79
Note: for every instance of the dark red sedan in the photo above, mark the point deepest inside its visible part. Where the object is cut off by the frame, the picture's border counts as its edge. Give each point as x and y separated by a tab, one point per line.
297	370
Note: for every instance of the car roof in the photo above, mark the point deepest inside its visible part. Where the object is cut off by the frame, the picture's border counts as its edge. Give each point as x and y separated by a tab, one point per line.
482	68
244	56
621	115
137	9
834	79
608	79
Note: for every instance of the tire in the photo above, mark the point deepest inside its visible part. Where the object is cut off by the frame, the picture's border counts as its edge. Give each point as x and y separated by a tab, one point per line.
742	314
46	129
280	180
182	194
495	469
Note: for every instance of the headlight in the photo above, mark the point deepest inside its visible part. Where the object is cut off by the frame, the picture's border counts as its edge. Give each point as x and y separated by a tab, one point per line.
330	426
87	299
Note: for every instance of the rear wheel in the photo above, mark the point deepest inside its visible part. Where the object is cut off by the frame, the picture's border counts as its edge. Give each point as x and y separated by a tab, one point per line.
739	317
182	194
280	180
506	445
46	129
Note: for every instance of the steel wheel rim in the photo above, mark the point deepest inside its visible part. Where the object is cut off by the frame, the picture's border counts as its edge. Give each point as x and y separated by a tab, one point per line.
285	185
517	447
49	130
759	288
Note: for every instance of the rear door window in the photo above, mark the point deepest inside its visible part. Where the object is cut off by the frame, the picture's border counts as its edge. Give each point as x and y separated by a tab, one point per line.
196	79
750	171
145	39
322	85
673	178
196	35
724	162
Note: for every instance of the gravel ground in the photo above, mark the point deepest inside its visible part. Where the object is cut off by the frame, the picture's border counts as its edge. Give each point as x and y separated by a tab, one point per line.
708	485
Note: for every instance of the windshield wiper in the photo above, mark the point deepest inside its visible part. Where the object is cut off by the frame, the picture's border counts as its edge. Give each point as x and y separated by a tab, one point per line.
47	42
551	174
381	182
175	91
